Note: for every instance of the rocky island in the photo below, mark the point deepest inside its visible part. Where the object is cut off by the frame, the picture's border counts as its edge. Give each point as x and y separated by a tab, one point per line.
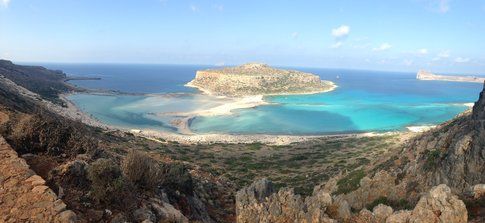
428	76
258	79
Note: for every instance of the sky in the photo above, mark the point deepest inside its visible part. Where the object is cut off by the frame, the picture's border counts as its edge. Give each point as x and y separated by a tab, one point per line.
399	35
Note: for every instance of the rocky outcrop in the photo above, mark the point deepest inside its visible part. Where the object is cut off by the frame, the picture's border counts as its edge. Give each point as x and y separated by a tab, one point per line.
24	196
428	76
258	79
255	204
453	153
259	203
439	205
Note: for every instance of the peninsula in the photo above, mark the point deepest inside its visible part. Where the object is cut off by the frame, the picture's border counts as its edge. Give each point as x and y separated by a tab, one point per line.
428	76
258	79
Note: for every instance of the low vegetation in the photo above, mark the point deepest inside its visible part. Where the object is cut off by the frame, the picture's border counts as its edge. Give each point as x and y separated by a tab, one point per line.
141	170
350	182
107	182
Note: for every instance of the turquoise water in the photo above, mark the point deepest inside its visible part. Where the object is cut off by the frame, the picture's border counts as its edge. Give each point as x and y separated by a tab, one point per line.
364	101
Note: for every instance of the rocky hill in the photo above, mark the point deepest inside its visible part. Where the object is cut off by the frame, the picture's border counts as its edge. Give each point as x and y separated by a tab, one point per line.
431	180
258	79
47	83
428	76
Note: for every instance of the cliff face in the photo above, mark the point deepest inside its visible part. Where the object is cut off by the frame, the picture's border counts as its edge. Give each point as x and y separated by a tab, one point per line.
257	79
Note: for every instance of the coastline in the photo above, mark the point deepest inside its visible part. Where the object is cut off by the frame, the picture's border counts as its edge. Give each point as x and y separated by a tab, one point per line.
75	113
332	86
248	138
186	136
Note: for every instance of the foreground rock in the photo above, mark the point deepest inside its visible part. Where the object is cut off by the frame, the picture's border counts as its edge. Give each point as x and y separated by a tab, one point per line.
258	203
24	197
258	79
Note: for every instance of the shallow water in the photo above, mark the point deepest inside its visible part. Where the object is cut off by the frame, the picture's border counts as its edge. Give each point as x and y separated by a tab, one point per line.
364	101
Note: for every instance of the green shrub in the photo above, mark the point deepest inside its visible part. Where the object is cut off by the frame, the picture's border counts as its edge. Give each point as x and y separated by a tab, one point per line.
432	158
350	182
380	200
176	177
255	146
107	182
402	204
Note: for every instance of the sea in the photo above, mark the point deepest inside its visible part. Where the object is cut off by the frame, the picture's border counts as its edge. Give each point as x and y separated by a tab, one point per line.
365	101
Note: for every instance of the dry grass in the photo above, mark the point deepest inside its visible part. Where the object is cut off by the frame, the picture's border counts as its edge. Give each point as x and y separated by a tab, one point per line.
141	169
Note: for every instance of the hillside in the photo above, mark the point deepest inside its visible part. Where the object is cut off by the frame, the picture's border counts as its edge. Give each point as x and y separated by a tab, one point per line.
423	183
100	175
47	83
258	79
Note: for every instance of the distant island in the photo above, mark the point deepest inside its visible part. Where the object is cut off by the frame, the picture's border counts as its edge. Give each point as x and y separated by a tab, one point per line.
258	79
428	76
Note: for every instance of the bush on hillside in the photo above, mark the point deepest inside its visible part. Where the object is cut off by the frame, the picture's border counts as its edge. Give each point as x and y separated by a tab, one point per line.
107	182
141	170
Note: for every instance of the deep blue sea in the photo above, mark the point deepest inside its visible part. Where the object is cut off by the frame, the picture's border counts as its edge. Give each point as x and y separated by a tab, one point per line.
364	101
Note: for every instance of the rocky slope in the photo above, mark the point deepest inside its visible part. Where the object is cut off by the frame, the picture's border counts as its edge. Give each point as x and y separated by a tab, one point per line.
427	182
259	203
428	76
88	168
258	79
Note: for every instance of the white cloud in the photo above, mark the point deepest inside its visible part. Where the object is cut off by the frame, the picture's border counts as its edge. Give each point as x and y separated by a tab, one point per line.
461	60
194	8
423	51
295	35
442	55
337	45
341	31
443	6
383	47
408	62
440	6
4	3
340	34
219	8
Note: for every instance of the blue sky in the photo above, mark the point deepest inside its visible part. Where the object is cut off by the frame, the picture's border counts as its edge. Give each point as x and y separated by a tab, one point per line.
407	35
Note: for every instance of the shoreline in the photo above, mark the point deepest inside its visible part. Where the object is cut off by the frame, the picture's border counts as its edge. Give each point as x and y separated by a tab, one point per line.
186	136
75	113
332	86
211	138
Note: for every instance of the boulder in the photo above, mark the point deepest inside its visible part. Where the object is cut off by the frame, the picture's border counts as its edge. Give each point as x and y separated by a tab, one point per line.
439	205
381	212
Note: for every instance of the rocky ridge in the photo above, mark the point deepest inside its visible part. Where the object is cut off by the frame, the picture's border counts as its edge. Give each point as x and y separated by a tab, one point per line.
258	79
